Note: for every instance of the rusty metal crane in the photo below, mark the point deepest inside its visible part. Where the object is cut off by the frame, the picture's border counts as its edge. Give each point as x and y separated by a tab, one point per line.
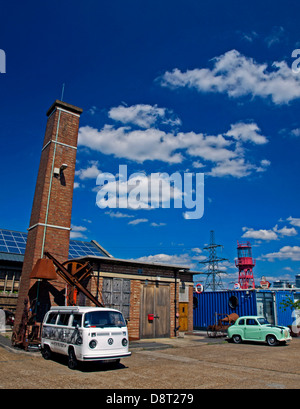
73	273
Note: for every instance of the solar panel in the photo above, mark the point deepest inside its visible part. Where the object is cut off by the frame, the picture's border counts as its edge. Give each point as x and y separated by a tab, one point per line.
15	243
83	248
12	242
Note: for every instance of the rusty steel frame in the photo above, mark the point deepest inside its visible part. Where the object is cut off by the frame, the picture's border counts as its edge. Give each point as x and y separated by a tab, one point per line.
222	324
75	279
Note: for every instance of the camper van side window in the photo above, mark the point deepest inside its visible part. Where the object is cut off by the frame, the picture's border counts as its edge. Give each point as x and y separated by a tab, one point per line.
52	318
77	320
63	319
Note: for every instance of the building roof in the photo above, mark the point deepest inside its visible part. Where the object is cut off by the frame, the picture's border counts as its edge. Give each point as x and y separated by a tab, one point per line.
113	260
17	258
13	244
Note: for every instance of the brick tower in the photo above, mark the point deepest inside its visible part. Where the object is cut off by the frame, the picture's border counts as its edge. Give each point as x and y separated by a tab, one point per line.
49	228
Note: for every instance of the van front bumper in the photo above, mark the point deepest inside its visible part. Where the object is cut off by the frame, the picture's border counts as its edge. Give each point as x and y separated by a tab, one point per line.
105	358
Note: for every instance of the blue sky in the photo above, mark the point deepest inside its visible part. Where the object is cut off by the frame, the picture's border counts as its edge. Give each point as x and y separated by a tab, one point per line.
166	86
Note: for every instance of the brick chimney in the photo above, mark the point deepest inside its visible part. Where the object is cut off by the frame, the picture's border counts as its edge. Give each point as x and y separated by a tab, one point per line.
49	228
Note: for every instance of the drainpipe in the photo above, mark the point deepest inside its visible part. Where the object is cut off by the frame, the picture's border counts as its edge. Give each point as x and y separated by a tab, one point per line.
175	305
98	274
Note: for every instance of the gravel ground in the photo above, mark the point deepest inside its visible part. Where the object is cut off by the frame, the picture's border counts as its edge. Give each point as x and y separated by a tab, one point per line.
189	362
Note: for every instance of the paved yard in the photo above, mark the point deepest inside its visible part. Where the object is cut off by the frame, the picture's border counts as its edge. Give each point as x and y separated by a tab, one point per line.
188	363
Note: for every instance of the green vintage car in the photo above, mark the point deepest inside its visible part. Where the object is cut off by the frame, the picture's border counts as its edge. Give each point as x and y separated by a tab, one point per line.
253	328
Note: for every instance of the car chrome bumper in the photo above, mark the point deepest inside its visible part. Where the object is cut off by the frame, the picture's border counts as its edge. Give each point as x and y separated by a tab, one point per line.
105	358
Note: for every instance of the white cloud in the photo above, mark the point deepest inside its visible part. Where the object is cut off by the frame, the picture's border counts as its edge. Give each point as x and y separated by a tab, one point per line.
181	260
295	132
138	221
76	232
158	224
90	172
285	231
77	235
198	165
225	151
294	221
92	110
118	215
276	36
137	145
237	75
236	167
250	37
265	163
271	234
261	234
78	228
247	132
286	252
143	115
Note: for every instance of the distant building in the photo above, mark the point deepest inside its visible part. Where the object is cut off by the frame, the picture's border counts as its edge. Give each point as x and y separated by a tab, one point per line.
282	284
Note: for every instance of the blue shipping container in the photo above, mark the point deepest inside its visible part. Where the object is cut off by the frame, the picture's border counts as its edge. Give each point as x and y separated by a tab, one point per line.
243	302
208	304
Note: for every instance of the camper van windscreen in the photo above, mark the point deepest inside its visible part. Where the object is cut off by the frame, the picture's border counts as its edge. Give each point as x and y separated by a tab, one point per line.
101	319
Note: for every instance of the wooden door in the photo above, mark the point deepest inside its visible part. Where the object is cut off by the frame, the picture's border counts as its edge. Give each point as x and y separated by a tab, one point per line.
116	294
183	316
156	301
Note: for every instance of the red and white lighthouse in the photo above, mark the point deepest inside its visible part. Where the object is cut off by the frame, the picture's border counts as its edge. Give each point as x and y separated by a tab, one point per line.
245	264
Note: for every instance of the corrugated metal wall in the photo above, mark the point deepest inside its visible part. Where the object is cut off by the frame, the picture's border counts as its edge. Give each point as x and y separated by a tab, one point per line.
210	303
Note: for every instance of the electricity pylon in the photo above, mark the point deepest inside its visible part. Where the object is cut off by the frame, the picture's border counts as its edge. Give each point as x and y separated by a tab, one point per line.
213	275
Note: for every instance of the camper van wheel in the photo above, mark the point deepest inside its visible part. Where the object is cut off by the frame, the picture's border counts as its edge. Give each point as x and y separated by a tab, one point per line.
72	361
46	352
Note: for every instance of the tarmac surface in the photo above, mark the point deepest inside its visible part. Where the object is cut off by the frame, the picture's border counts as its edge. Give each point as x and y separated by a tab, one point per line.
184	363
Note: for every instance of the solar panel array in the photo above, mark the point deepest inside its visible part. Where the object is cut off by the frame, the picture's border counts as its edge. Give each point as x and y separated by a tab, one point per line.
12	242
83	248
15	242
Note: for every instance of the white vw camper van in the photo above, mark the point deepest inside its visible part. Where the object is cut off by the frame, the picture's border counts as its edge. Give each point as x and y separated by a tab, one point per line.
85	334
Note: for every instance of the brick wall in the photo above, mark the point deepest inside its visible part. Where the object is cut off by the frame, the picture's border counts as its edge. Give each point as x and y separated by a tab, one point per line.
54	208
135	310
136	284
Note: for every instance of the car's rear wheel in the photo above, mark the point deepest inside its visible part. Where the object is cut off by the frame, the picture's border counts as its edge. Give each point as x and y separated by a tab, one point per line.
272	340
236	339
